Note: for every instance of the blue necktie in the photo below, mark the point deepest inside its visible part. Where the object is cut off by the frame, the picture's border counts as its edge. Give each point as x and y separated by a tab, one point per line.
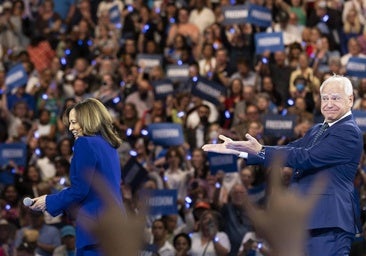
319	133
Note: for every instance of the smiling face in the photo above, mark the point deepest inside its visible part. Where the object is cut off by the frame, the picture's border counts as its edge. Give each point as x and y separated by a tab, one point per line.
335	102
74	125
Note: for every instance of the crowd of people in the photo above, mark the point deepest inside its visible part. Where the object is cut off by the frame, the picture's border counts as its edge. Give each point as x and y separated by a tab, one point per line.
72	50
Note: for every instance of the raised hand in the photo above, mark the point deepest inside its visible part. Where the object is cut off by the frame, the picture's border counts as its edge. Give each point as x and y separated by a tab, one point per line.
221	147
251	145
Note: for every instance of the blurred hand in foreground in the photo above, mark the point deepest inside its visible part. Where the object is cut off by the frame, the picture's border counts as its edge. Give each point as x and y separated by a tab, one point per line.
283	221
116	231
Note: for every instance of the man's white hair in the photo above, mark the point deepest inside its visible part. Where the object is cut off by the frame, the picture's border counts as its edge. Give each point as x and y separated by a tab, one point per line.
342	80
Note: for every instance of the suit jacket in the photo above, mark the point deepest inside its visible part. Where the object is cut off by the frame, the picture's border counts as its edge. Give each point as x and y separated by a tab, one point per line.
92	154
336	153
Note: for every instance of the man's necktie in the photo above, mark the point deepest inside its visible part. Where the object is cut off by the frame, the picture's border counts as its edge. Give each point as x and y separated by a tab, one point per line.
319	133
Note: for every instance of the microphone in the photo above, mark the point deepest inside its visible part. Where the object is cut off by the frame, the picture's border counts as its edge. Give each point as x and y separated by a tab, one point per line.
28	201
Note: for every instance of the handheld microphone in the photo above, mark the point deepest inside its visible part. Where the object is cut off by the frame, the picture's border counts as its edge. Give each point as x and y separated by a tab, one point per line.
28	201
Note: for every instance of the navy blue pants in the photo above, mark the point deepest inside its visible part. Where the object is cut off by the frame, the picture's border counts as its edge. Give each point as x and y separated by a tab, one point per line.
90	250
329	242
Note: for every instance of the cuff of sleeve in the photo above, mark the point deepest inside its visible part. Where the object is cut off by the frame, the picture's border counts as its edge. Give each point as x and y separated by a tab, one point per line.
243	155
262	152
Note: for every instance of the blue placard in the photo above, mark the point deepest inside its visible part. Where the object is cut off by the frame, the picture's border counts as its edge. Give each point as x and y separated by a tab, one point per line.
166	134
149	60
278	125
16	77
115	15
163	88
162	201
259	15
271	42
208	90
16	152
177	72
356	67
360	118
222	162
235	14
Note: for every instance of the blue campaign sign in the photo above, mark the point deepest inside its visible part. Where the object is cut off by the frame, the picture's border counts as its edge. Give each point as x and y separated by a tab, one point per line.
16	152
208	90
259	15
356	67
115	15
166	134
149	60
235	14
360	118
222	162
16	77
162	201
278	125
163	88
271	42
177	72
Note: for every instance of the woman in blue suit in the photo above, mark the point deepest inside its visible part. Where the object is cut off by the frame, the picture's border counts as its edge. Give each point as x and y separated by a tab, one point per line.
333	148
95	153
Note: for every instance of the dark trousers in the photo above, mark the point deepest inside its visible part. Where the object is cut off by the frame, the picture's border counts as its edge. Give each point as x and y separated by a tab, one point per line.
329	242
89	250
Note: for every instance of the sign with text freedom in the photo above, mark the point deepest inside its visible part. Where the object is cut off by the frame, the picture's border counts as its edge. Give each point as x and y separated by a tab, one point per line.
356	67
222	162
360	118
148	61
241	14
114	15
16	152
161	201
166	134
278	125
271	42
16	77
177	72
208	90
235	14
163	88
259	15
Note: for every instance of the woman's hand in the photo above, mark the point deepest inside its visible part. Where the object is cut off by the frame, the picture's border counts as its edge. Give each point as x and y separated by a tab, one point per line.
39	203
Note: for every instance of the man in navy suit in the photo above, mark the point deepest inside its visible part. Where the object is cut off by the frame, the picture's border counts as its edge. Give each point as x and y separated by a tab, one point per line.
332	148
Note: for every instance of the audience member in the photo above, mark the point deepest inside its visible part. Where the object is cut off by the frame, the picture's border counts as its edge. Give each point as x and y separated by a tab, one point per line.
182	244
237	223
47	238
208	239
67	246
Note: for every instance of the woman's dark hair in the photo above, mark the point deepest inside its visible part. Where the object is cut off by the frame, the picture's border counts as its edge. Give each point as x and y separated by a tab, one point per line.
186	236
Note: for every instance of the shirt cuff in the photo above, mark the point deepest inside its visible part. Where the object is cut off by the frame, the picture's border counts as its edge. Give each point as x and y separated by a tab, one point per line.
243	155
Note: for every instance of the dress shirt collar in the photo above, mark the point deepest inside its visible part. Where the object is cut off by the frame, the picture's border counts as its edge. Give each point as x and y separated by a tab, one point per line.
345	115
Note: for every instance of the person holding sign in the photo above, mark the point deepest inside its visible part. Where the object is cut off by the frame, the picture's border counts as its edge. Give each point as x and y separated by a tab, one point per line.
332	148
95	154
